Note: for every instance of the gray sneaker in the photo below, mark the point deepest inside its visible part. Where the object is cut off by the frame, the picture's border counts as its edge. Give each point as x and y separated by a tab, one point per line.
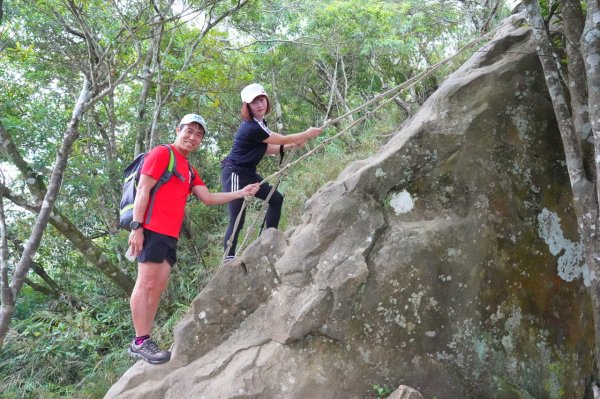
149	352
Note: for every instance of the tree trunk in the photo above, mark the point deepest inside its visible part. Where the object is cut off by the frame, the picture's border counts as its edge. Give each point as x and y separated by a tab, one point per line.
153	137
584	196
276	105
590	43
41	222
8	302
147	73
573	21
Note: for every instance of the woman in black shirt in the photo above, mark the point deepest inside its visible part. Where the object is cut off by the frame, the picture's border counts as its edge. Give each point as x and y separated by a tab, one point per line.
252	141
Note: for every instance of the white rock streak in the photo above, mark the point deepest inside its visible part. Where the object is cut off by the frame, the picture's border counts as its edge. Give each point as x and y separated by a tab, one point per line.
402	202
571	264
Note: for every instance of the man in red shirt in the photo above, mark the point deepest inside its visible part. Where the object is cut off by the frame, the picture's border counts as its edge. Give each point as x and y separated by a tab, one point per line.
154	243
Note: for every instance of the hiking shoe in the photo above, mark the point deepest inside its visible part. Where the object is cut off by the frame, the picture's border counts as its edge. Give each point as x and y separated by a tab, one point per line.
228	259
149	352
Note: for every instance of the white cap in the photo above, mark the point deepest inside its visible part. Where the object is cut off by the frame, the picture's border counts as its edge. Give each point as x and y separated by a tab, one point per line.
252	91
190	118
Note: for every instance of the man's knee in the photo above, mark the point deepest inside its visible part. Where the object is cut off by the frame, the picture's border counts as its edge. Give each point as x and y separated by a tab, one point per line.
153	285
153	277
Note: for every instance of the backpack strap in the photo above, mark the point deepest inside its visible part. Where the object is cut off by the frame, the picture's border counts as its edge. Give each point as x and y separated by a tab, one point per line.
172	166
192	175
281	154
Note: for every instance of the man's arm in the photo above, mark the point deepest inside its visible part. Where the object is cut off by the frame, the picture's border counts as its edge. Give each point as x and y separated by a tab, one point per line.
136	237
202	193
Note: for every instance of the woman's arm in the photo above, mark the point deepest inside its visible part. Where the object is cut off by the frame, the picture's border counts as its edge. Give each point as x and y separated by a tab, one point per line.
274	149
276	138
202	193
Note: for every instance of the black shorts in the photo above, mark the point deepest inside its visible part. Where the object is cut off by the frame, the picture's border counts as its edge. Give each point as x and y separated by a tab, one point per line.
158	247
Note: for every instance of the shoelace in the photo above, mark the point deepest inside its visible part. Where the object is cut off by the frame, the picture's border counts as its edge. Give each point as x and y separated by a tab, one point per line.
152	347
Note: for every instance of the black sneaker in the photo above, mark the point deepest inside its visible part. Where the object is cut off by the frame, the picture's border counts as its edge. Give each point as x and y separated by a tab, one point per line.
228	259
149	352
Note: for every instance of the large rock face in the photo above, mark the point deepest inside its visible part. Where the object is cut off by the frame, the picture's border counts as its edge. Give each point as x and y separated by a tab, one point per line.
448	262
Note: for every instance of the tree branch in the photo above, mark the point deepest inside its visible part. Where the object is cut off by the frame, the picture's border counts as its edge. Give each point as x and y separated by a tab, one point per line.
7	303
189	55
88	249
41	272
42	289
486	25
278	41
32	178
68	27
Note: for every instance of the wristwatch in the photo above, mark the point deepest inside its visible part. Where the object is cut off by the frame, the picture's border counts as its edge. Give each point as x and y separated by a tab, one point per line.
135	225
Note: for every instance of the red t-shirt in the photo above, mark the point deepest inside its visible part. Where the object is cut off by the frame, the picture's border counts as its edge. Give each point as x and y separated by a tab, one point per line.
169	204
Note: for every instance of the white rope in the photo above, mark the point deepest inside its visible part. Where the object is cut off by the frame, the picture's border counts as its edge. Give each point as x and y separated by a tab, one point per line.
250	230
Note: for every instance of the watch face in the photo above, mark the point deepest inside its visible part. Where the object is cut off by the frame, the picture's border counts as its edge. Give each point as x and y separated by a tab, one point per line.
135	225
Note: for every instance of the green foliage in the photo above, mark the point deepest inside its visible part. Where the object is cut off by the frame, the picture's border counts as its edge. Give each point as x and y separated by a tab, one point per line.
381	391
545	6
48	354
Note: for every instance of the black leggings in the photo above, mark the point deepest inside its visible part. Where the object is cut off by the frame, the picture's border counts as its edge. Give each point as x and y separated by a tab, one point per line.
233	179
